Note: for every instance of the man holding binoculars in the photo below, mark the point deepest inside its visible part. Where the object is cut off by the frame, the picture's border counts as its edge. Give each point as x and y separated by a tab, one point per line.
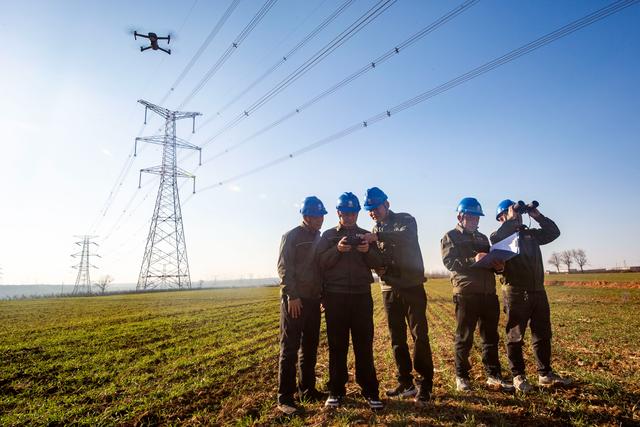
525	298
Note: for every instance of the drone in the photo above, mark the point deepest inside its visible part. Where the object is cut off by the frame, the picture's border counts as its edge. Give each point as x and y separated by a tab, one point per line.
153	39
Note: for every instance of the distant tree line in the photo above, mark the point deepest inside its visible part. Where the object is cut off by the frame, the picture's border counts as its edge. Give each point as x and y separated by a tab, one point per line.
569	258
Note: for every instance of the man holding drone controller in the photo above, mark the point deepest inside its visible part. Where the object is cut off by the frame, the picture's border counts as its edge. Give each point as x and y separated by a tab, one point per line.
346	260
525	298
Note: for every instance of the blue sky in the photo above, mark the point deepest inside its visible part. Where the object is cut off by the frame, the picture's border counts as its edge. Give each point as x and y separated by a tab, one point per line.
558	125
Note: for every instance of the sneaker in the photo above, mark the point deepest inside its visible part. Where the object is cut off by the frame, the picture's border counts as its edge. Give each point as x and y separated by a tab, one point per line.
497	383
333	402
552	379
402	390
423	396
312	395
521	384
374	403
463	384
289	408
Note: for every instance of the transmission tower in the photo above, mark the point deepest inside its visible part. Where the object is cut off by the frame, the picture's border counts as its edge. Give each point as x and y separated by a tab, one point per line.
165	263
83	280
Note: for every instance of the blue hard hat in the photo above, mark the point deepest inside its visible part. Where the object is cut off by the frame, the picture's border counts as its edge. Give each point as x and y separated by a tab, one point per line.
470	206
503	206
312	206
374	198
348	202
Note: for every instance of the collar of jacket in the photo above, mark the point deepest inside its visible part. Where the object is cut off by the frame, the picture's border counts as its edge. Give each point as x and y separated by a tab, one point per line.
520	227
461	229
389	219
306	228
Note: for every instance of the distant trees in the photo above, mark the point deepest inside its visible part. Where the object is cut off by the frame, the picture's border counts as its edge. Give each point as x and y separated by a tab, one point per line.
568	258
580	257
103	283
554	260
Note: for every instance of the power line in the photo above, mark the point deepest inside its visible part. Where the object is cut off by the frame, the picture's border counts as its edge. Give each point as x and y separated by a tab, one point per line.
489	66
214	32
227	54
314	60
350	78
118	222
287	56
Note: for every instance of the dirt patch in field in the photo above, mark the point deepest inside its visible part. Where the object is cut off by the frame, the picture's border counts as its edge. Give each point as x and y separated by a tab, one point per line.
598	284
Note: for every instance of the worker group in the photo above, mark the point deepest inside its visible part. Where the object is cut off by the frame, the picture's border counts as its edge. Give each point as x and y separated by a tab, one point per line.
333	271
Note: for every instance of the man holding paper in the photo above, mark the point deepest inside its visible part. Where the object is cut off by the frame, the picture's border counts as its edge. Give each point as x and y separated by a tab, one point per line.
525	298
474	294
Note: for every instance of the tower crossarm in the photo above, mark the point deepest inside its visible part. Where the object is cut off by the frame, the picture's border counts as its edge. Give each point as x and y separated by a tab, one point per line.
155	108
161	140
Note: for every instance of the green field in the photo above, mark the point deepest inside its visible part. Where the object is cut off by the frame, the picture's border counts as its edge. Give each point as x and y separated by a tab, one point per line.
210	357
595	277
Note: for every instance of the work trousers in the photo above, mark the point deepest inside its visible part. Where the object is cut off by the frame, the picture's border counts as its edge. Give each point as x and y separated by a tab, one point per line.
483	310
409	306
298	348
350	313
528	308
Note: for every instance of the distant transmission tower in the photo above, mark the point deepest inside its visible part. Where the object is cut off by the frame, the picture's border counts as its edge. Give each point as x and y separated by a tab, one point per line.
83	280
165	263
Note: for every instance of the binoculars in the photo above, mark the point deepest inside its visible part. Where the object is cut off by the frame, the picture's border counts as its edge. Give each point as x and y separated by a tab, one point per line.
523	208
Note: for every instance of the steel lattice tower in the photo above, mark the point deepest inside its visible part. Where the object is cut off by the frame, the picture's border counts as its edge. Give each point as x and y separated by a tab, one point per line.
83	280
165	263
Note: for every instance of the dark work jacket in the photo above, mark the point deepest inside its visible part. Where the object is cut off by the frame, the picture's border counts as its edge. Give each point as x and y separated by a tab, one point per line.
525	271
398	243
346	272
297	266
459	248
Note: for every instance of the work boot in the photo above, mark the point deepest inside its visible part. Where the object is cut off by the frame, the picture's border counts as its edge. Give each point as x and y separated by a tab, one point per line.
497	383
312	395
463	384
552	379
402	390
288	407
374	403
423	397
333	402
521	384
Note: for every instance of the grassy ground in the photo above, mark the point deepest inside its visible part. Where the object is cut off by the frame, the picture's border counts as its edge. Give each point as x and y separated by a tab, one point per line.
210	357
594	277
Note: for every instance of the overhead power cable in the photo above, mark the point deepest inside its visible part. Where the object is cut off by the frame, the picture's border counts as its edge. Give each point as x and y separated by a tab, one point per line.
230	50
127	209
350	78
334	44
489	66
214	32
287	56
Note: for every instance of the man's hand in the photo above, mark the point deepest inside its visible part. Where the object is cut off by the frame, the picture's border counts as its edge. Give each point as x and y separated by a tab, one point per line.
342	245
380	271
480	255
535	214
364	248
370	237
512	214
295	308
